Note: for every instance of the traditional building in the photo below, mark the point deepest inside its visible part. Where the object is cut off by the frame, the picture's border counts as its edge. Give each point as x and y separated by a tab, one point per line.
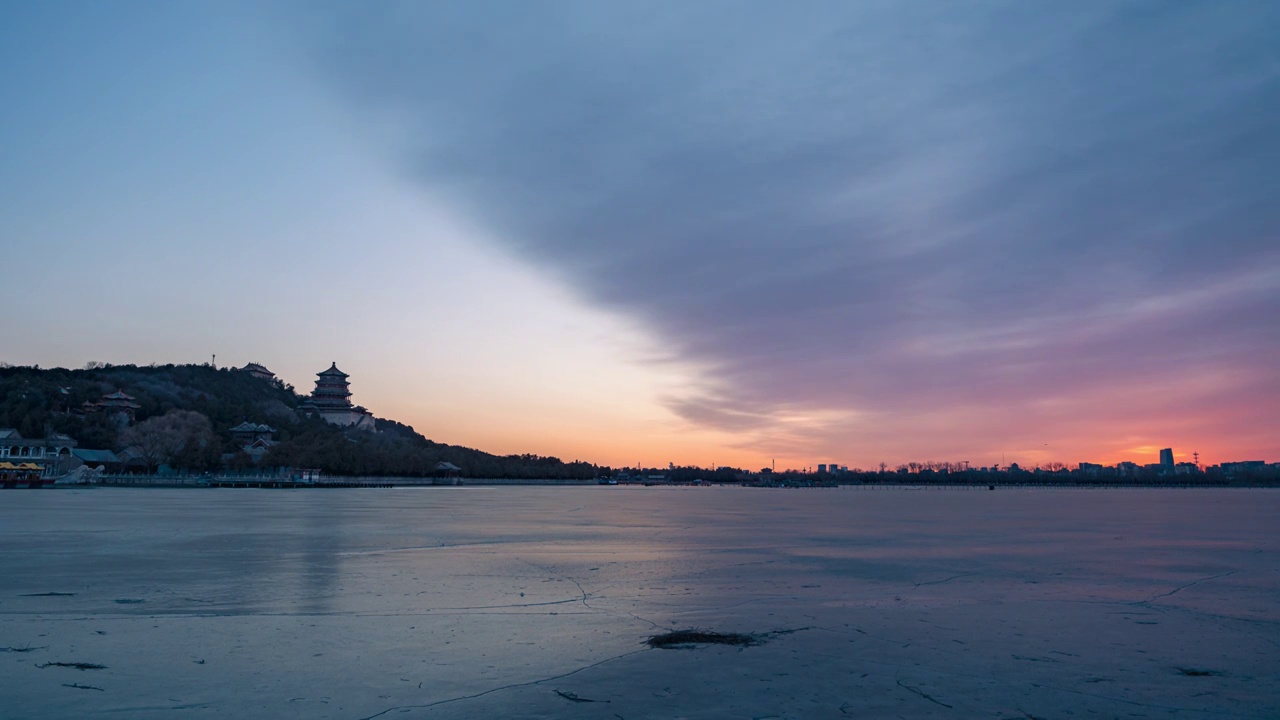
259	372
25	474
254	440
247	433
116	403
98	459
44	453
331	400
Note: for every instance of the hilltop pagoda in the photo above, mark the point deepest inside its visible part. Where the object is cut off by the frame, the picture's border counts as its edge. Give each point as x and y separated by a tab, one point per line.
331	400
332	390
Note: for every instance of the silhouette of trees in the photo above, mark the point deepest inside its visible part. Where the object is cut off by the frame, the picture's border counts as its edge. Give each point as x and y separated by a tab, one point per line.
181	437
187	411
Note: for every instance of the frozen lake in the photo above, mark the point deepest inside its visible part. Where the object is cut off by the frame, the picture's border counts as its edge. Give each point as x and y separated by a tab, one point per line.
535	602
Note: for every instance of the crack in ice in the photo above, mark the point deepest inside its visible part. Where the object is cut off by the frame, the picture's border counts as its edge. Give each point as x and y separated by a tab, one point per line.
1190	584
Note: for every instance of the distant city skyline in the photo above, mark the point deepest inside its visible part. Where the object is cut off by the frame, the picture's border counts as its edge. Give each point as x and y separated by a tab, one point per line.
694	233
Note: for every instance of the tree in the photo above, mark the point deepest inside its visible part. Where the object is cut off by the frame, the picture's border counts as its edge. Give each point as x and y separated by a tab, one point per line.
161	439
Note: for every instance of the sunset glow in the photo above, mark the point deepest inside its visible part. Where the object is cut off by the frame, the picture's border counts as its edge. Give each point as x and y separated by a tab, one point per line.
626	234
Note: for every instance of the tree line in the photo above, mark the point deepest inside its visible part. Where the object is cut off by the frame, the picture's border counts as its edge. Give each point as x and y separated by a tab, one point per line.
186	413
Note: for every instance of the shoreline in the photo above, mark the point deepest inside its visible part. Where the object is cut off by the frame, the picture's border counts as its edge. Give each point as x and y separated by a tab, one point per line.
380	482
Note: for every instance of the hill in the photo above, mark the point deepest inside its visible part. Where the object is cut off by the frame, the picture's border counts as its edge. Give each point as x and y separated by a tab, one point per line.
40	402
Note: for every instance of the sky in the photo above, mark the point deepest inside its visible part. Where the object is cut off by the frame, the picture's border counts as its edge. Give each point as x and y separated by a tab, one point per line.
708	233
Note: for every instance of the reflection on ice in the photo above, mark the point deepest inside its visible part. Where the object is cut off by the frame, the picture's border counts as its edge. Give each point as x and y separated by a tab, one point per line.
537	602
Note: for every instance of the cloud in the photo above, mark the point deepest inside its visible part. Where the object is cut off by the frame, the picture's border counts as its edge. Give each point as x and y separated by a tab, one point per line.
864	210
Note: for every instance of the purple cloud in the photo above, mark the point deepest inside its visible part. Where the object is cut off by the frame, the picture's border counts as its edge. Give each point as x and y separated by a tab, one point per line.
870	210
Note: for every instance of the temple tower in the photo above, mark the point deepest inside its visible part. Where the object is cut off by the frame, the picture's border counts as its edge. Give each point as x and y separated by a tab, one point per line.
332	390
331	400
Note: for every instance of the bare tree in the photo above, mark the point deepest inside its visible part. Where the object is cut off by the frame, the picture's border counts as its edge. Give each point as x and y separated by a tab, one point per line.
160	439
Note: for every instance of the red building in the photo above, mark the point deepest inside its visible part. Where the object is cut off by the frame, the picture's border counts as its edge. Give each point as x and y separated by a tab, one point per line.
114	403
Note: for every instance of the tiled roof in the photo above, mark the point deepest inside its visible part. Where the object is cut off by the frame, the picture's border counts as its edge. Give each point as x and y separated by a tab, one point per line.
97	456
333	370
18	466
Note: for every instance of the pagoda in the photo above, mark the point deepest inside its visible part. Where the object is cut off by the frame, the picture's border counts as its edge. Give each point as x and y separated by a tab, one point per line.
332	390
113	404
331	400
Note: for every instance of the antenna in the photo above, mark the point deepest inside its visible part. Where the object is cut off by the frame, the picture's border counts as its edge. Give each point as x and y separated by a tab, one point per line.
1196	455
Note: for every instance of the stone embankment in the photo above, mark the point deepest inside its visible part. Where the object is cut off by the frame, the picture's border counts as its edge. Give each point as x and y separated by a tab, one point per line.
265	481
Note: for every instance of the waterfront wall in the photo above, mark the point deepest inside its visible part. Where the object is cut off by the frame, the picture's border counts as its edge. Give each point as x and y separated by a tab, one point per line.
372	481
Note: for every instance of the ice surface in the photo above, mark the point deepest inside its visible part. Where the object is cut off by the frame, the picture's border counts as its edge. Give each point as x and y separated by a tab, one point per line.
536	601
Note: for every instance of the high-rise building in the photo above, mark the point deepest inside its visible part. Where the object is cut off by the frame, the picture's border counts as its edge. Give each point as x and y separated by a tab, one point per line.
1166	458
